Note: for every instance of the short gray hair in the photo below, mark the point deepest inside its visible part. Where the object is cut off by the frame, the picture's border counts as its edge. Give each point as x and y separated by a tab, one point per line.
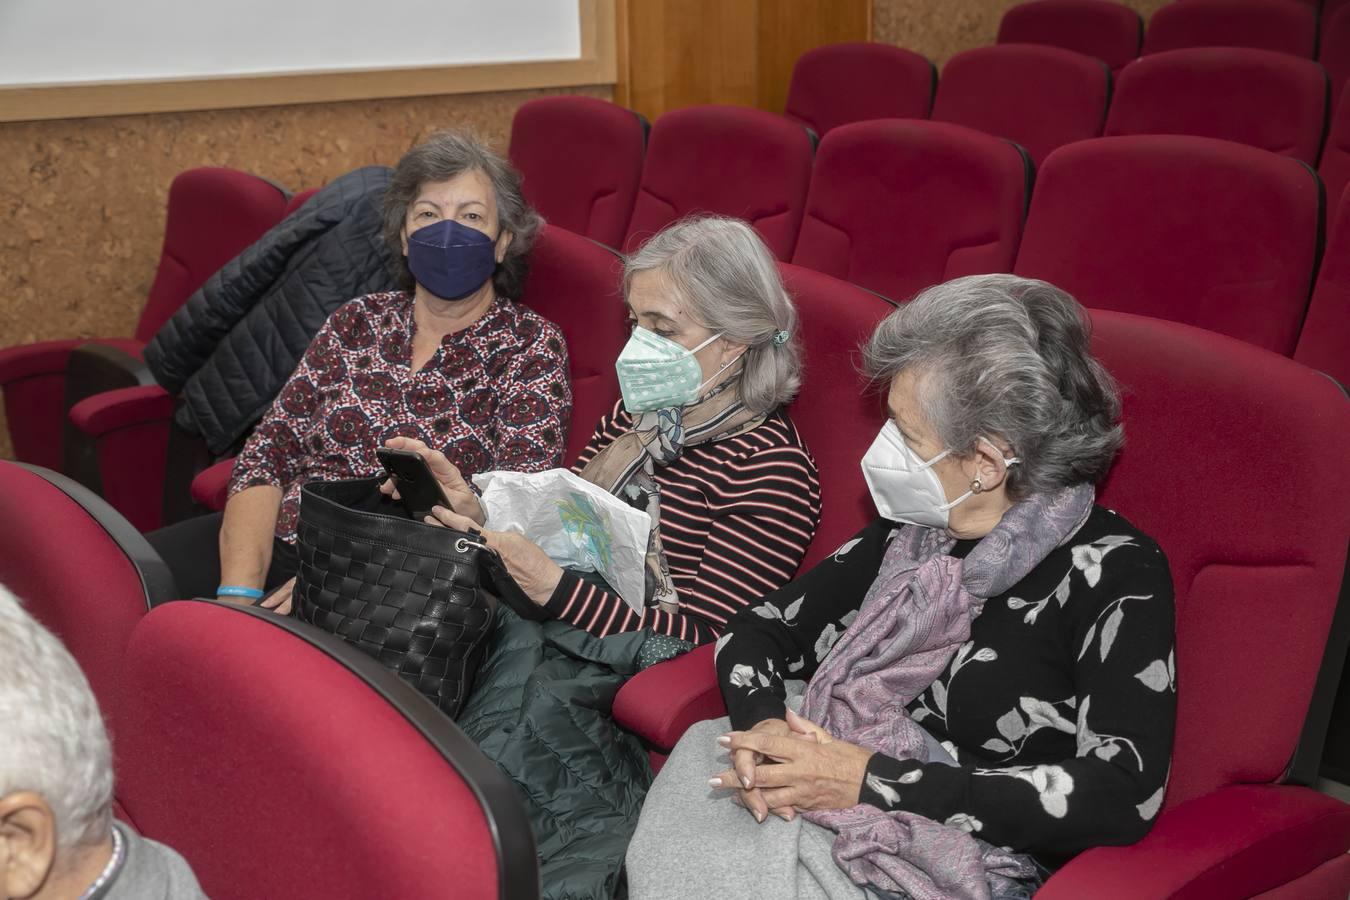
439	158
52	739
729	282
998	355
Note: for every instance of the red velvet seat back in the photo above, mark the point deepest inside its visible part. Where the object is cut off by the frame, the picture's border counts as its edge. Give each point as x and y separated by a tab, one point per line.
1260	98
1232	462
1324	343
1280	25
60	554
278	772
298	200
1335	165
1041	97
1196	230
836	412
727	160
213	214
578	285
1109	31
856	81
1334	52
581	160
896	206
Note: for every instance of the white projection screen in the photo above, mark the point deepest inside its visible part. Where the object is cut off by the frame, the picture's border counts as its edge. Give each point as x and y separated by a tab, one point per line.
95	57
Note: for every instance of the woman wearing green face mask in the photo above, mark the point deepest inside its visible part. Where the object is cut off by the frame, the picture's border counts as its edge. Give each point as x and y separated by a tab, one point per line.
700	440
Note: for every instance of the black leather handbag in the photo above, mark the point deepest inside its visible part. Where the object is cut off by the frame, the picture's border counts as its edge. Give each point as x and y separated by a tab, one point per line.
417	597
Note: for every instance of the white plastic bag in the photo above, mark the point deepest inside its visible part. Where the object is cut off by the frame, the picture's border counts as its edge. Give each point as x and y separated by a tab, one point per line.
578	524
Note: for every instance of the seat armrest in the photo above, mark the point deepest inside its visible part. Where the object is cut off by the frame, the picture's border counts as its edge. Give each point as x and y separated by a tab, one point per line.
1236	842
123	408
30	360
212	484
659	704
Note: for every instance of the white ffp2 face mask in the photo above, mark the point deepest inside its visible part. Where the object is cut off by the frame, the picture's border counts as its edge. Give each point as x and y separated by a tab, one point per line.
904	487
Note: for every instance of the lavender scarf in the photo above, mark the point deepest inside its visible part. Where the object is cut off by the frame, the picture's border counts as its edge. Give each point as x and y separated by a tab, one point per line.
915	616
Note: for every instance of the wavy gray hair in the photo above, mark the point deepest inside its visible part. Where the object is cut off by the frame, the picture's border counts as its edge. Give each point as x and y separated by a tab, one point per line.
52	739
999	355
441	157
729	282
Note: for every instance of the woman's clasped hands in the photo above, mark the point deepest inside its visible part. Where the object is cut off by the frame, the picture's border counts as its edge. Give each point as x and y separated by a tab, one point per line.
789	766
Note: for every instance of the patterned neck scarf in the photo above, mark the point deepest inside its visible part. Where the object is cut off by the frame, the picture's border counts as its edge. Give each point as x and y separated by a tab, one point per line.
914	617
627	467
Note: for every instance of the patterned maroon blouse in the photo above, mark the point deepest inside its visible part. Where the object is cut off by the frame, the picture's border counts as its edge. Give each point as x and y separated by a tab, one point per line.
493	396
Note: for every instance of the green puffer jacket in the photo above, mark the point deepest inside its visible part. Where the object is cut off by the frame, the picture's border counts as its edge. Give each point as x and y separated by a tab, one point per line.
541	709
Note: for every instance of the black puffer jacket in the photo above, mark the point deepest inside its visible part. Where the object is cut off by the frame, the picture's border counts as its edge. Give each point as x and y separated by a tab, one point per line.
232	346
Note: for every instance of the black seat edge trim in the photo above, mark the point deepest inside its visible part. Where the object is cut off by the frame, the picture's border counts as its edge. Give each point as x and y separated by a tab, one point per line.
1306	761
156	578
512	834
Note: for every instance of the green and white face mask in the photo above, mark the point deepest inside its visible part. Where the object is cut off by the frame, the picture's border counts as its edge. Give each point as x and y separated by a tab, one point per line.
657	373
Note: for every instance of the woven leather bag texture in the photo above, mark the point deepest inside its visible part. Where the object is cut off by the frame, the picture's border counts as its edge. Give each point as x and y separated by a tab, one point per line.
409	594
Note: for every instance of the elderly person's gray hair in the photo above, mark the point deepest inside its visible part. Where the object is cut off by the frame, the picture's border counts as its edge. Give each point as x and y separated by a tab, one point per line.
998	355
441	157
52	739
728	281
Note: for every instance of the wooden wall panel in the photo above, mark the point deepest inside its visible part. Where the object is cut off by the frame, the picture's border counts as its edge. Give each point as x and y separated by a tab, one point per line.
82	200
687	52
940	30
788	28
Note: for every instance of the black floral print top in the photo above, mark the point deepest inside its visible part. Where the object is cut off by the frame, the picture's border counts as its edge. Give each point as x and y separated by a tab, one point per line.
494	396
1059	710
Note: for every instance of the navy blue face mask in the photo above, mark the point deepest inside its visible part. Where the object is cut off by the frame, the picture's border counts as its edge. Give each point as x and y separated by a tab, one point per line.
451	260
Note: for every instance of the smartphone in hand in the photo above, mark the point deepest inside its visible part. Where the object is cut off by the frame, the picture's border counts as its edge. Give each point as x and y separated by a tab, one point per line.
418	489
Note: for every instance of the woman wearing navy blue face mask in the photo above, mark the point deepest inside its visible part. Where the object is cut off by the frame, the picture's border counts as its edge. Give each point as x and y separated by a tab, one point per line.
451	361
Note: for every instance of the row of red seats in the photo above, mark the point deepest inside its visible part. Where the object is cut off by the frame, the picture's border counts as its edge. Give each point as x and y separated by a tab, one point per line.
1116	35
1165	226
1046	97
207	739
277	759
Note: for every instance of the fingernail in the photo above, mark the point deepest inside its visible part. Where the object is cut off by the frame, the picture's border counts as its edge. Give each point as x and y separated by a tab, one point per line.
759	817
724	740
745	780
714	782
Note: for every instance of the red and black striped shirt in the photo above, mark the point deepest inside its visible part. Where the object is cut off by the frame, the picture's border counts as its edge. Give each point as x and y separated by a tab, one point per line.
736	518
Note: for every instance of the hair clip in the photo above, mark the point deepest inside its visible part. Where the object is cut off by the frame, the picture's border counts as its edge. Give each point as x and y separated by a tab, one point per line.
780	338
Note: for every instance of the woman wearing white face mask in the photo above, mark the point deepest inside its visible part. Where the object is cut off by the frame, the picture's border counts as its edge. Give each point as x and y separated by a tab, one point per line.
995	653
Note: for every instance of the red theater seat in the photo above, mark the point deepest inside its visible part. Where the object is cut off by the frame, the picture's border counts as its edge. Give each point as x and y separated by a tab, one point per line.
853	82
580	160
282	762
1109	31
1041	97
896	206
213	214
726	160
1201	231
1260	98
1335	165
80	568
1257	584
578	285
838	417
1324	342
1281	25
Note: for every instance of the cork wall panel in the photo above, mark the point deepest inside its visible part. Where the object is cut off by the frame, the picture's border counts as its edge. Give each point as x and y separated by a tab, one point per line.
82	201
940	30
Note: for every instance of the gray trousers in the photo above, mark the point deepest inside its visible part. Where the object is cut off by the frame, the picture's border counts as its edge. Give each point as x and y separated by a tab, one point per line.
692	841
